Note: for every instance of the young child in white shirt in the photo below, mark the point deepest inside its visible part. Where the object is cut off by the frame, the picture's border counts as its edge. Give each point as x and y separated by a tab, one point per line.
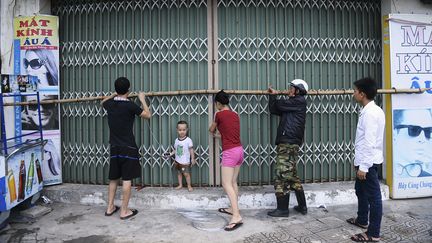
184	153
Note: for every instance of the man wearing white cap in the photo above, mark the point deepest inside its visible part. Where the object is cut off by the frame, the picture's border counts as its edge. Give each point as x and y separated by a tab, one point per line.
290	134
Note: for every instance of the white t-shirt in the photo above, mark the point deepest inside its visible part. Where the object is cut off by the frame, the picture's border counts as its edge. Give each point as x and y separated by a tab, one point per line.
182	147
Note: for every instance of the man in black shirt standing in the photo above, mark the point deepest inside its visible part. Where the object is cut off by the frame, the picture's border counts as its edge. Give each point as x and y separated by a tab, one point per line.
125	157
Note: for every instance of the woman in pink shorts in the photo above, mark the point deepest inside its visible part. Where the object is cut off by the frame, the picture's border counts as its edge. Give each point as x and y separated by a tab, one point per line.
227	123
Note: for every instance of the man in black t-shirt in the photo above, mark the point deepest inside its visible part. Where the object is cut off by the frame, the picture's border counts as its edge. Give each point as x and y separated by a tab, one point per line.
125	157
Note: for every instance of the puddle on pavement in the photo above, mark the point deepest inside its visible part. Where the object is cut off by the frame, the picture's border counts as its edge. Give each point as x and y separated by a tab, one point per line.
71	218
203	220
90	239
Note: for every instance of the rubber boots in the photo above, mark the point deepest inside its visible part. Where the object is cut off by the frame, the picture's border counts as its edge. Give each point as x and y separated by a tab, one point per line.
301	200
282	206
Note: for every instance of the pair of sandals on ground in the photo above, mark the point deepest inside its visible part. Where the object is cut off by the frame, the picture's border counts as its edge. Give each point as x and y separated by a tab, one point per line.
362	237
133	212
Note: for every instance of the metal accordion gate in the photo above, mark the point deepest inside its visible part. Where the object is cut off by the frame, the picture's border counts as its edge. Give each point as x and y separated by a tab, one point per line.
209	44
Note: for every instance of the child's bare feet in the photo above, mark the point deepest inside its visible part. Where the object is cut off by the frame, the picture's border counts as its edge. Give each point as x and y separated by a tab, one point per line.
190	188
179	187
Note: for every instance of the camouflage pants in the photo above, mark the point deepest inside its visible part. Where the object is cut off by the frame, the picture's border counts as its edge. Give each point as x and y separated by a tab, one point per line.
286	171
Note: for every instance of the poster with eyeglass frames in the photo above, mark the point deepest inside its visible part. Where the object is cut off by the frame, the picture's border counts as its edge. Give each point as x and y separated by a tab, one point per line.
408	65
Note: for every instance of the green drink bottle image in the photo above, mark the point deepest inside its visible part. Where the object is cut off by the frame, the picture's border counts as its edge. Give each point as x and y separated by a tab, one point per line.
30	175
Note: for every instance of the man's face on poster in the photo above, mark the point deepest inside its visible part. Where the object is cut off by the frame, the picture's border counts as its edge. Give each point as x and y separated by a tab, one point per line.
47	110
412	141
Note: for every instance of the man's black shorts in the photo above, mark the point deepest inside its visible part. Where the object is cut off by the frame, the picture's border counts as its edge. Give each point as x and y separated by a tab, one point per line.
124	163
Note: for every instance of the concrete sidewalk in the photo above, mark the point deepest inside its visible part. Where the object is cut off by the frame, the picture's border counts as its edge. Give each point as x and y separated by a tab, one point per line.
257	197
403	221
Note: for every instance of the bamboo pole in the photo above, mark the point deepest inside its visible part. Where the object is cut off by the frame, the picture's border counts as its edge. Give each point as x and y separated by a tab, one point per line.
235	92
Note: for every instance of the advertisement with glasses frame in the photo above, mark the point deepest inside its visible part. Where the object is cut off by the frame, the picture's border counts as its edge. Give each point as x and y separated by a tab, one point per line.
38	57
407	41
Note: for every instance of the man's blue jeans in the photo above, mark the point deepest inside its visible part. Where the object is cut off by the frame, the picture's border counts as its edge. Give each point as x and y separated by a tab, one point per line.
369	202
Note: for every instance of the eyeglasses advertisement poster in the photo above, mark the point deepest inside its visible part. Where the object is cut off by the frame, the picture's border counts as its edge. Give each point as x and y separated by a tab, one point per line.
36	56
408	64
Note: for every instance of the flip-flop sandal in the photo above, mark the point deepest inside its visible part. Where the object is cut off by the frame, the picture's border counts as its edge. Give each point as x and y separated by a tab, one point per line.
134	212
224	210
353	221
236	225
113	212
361	238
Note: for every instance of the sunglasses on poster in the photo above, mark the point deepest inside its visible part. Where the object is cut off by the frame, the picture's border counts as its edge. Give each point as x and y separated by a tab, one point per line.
34	63
414	131
44	106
